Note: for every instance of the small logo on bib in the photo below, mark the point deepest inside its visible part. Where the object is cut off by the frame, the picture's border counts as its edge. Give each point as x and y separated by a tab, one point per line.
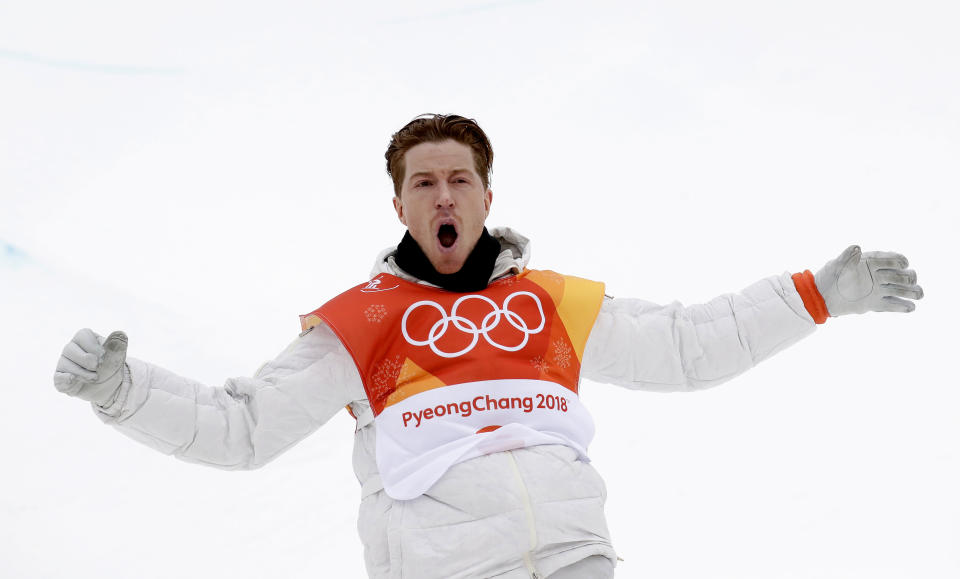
374	286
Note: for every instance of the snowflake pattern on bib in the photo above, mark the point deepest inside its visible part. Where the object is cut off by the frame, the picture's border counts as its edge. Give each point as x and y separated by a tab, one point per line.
375	313
561	354
539	363
385	375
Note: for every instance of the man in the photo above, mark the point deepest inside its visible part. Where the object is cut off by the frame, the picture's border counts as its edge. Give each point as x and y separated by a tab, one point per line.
462	367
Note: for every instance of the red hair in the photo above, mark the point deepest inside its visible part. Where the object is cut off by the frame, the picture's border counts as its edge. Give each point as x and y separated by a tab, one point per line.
433	128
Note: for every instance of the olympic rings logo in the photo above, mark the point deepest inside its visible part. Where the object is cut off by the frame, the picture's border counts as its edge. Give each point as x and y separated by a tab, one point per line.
489	322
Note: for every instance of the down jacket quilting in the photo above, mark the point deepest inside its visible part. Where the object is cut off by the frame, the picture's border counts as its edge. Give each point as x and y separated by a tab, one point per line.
507	503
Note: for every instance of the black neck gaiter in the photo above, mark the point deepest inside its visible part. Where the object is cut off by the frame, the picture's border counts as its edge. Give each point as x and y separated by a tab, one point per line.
473	276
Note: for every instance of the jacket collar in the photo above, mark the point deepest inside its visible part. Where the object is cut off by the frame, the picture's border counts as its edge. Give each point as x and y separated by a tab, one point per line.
513	258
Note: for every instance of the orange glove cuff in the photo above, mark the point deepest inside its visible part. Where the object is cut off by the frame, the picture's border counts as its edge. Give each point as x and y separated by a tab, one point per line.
812	300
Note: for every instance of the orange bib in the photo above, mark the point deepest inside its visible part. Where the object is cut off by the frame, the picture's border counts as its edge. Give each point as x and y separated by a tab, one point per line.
451	376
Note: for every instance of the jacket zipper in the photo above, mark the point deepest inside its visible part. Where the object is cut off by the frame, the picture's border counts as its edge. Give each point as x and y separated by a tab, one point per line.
528	508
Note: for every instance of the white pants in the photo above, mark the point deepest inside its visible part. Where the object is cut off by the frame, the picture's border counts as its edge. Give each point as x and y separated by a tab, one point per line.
595	567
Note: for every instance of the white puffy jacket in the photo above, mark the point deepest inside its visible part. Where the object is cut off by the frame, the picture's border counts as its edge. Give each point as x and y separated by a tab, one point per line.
500	515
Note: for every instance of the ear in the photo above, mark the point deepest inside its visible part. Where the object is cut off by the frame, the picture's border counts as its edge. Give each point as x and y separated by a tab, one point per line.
398	207
487	200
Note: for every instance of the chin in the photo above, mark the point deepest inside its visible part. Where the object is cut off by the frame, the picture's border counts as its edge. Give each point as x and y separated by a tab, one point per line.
448	265
449	268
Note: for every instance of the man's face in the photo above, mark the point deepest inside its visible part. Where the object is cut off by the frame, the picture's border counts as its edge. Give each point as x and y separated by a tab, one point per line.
443	202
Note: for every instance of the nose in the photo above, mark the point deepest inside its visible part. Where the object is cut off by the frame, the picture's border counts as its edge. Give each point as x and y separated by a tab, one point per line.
444	198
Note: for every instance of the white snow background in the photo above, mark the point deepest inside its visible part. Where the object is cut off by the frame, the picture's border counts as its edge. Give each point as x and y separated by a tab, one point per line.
200	173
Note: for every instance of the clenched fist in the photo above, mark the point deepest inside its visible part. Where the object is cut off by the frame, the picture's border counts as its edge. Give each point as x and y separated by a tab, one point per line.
91	367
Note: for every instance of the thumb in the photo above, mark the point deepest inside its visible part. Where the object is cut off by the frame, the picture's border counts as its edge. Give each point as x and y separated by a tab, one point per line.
850	256
115	352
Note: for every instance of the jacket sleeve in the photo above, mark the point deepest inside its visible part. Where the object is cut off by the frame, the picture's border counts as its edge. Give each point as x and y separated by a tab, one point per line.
247	422
645	346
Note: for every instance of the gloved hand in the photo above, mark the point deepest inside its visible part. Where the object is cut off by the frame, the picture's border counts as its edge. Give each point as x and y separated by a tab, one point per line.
856	282
92	367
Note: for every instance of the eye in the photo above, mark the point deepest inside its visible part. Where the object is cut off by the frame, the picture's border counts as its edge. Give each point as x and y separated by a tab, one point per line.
422	184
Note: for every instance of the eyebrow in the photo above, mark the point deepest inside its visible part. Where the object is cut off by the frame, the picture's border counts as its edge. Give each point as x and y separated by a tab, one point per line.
430	173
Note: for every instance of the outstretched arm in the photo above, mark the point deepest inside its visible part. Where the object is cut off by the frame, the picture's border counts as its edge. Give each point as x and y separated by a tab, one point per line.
242	425
642	345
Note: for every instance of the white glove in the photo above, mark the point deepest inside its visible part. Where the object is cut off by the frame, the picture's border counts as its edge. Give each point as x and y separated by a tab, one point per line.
875	281
91	367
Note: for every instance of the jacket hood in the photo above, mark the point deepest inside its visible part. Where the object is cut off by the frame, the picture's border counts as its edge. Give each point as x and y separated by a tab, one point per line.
513	258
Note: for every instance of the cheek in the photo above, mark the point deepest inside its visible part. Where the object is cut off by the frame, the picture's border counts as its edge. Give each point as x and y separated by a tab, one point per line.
419	221
483	210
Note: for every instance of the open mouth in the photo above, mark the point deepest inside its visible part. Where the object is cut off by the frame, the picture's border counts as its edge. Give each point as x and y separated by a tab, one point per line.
447	235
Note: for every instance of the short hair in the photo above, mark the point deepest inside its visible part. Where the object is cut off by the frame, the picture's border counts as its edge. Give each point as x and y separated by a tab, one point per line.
433	128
